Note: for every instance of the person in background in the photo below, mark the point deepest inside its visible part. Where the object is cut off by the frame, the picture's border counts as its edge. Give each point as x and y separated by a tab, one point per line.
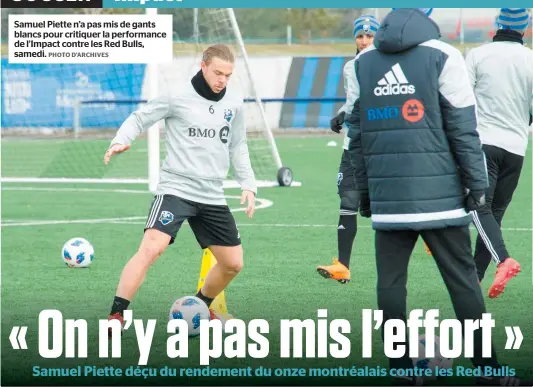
502	87
365	28
419	167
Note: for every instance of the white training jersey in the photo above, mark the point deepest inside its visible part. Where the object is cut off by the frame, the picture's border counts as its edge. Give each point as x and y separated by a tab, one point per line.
348	69
501	74
202	138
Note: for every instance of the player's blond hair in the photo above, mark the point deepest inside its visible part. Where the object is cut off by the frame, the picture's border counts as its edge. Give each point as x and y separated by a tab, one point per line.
220	51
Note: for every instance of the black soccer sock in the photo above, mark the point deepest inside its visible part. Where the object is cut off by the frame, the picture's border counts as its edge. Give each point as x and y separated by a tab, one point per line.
205	299
346	232
119	305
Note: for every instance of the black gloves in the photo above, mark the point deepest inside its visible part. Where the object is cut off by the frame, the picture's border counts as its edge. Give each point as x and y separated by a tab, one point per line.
475	200
364	204
336	122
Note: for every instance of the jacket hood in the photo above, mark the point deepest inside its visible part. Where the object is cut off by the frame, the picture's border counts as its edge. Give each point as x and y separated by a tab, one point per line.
403	29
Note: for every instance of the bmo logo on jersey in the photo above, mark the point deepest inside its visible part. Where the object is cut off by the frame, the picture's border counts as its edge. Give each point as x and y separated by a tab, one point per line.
394	83
210	133
383	113
199	132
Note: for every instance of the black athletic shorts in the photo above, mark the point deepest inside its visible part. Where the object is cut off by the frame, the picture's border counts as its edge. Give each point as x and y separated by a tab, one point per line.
211	224
346	175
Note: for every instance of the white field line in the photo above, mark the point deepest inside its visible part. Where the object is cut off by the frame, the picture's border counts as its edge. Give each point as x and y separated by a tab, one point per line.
45	180
137	220
75	189
262	204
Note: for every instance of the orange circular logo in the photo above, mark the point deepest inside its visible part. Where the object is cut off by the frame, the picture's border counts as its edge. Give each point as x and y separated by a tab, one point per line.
413	110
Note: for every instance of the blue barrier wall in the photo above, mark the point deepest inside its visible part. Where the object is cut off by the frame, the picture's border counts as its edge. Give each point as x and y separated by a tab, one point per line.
318	79
41	95
313	78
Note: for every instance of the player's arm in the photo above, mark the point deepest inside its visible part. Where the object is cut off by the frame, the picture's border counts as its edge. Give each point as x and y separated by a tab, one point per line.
337	121
471	68
531	113
458	106
355	150
531	88
137	122
240	160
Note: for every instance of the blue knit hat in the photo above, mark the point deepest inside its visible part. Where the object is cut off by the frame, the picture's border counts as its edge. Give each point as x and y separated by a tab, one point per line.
427	11
515	19
365	24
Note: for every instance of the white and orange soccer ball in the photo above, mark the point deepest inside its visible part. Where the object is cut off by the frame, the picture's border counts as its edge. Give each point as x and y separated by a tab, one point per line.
77	253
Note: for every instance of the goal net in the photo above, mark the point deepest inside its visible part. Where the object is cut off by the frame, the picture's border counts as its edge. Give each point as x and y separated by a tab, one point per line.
59	119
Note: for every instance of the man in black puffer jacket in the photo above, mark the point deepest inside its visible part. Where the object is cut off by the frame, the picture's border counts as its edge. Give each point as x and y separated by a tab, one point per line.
418	161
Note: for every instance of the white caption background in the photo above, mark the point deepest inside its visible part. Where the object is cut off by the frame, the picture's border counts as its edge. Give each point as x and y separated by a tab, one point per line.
90	38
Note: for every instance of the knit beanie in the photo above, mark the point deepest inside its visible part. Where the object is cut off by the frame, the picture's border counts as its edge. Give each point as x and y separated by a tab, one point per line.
515	19
365	24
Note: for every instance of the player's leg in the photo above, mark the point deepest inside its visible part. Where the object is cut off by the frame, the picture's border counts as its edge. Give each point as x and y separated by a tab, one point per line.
508	178
347	225
228	266
452	252
165	217
489	234
349	205
393	250
214	227
153	244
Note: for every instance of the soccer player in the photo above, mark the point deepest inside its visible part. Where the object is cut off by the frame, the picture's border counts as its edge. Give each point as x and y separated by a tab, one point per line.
205	131
503	93
365	27
415	150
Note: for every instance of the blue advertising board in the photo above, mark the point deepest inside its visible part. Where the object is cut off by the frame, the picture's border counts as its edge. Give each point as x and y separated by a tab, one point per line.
43	95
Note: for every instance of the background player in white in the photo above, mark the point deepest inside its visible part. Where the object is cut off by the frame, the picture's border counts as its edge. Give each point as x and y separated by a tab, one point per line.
365	28
205	131
503	94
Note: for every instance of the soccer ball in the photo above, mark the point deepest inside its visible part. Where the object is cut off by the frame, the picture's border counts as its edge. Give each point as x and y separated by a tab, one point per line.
77	252
192	310
437	361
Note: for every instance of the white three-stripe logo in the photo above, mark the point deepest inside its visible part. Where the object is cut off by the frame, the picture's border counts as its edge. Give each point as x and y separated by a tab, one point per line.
394	83
394	76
